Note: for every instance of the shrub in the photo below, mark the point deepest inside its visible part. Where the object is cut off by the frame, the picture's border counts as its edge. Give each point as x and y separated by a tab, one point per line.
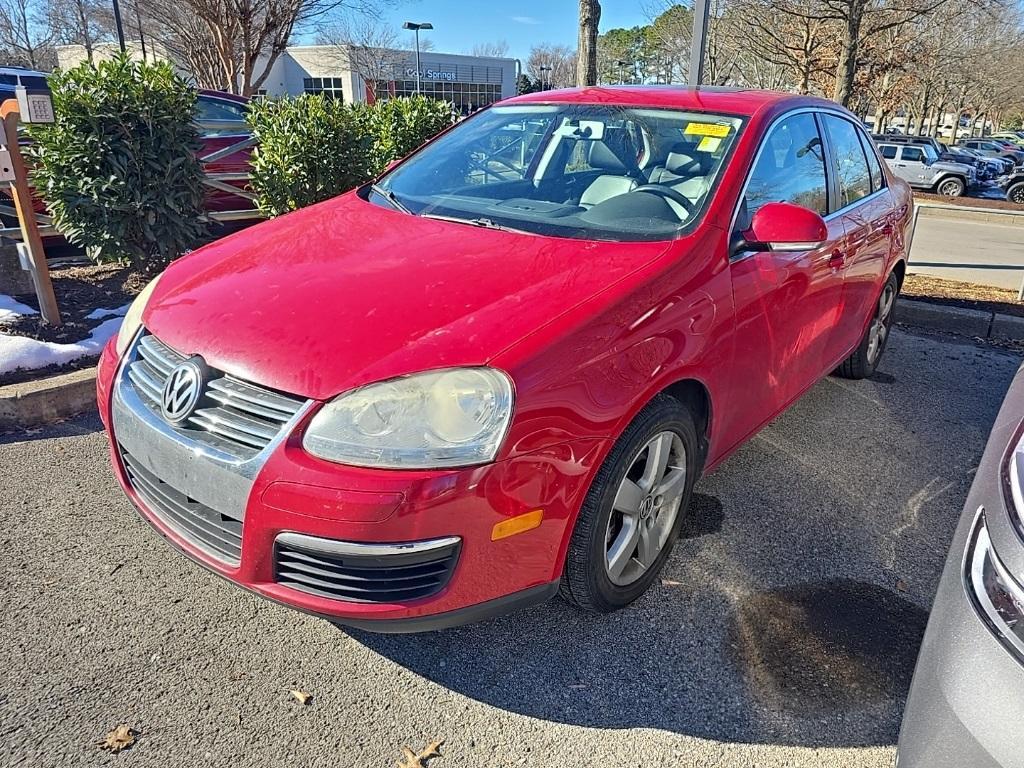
118	168
311	147
308	149
399	126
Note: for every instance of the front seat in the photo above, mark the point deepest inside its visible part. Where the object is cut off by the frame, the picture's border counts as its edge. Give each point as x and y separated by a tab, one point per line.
684	172
607	185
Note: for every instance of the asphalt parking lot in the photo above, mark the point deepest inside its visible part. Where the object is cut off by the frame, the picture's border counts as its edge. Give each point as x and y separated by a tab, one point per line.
783	634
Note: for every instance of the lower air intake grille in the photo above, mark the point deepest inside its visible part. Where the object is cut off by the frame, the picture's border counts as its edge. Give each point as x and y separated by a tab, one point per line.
375	573
216	534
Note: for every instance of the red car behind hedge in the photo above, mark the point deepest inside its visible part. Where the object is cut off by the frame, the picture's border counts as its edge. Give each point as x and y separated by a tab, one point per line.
497	373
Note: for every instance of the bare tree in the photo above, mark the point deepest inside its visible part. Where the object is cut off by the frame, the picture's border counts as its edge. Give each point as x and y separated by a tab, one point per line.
81	22
586	62
25	37
553	65
497	49
368	47
234	44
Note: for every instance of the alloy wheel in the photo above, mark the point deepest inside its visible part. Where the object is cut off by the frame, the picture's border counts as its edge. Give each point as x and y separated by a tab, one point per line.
950	188
880	323
645	508
1018	194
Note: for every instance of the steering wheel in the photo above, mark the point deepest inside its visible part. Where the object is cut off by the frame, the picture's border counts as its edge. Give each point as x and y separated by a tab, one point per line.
668	192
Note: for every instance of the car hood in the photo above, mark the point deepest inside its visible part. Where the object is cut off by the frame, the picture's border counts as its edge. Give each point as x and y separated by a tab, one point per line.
345	293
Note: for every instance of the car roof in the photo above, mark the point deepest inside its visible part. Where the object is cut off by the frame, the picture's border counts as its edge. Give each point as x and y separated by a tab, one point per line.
734	101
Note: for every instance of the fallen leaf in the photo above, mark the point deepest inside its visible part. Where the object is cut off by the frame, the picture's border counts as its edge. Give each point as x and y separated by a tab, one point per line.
120	738
302	697
901	585
412	759
671	583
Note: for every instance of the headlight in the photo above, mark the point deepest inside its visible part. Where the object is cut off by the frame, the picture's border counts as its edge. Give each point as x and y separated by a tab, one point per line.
133	317
446	418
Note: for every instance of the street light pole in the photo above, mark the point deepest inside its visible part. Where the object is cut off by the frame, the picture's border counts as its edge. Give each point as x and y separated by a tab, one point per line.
545	81
120	26
416	27
701	12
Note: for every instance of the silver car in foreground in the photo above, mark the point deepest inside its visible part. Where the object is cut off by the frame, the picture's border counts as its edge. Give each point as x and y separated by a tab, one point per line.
966	703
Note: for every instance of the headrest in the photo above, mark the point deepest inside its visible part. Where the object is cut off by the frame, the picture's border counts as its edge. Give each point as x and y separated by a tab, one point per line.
681	162
601	156
614	152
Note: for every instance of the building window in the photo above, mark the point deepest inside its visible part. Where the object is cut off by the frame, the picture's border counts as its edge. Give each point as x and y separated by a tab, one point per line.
463	95
329	86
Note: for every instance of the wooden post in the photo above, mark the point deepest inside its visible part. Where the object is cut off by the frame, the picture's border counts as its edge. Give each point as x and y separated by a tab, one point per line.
22	195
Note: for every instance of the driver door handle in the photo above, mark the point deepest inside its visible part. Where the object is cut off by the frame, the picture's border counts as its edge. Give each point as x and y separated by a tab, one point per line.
837	259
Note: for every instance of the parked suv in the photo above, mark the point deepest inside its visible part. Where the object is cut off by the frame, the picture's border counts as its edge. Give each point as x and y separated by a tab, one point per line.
983	168
995	148
920	167
480	381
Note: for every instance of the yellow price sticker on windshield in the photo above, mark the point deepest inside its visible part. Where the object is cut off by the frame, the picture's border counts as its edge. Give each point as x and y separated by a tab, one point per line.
707	129
709	144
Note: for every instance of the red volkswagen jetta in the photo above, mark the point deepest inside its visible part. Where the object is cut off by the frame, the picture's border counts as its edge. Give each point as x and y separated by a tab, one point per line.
497	373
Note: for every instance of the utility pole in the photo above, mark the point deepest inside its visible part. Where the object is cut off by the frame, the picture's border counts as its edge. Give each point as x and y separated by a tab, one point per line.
416	27
701	14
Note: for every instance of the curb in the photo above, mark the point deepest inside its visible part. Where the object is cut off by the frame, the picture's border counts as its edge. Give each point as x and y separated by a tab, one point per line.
966	322
32	403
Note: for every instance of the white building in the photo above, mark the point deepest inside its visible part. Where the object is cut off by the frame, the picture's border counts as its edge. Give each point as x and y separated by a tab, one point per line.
366	75
361	74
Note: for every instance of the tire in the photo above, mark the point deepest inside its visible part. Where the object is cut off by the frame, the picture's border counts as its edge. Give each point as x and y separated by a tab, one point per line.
863	362
952	186
664	427
1015	194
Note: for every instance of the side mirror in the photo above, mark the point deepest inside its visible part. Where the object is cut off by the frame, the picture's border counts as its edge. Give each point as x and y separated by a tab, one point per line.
783	227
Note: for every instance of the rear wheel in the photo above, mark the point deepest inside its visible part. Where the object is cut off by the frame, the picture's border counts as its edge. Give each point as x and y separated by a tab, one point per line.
951	187
863	362
634	509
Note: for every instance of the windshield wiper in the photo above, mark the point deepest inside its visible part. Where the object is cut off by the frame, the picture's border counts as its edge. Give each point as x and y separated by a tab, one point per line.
391	197
481	222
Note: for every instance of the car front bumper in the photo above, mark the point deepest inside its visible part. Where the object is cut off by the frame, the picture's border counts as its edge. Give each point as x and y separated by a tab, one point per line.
346	513
964	707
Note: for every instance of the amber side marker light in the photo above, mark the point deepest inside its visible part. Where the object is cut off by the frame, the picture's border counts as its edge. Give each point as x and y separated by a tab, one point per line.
517	524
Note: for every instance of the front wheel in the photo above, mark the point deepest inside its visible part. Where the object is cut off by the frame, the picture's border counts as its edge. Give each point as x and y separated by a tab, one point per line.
1015	194
951	187
634	509
864	360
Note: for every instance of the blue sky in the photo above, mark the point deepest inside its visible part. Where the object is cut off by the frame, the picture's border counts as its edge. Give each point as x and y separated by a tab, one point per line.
459	25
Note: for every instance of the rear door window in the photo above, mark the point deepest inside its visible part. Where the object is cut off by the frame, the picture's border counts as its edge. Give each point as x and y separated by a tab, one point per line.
848	158
913	155
874	166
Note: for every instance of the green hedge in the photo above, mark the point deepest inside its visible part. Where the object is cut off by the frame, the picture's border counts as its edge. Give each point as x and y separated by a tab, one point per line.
312	147
118	168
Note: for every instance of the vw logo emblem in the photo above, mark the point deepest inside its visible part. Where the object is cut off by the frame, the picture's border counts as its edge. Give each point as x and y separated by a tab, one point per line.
182	390
646	507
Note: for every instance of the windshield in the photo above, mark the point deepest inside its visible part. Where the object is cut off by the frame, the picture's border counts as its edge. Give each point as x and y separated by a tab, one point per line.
573	170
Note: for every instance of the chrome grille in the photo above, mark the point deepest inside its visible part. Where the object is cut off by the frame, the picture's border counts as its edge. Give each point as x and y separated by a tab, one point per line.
216	534
234	416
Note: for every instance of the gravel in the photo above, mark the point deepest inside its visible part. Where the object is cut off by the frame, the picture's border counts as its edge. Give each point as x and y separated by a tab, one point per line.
783	633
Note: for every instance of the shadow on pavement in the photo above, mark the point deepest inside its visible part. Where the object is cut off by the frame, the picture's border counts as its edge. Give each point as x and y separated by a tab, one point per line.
792	609
78	425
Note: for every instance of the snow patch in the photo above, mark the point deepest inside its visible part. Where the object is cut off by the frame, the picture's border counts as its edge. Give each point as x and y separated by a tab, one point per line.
98	314
21	352
12	310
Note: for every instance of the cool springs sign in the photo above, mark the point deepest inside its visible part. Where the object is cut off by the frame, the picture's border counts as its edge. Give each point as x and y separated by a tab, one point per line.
433	74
